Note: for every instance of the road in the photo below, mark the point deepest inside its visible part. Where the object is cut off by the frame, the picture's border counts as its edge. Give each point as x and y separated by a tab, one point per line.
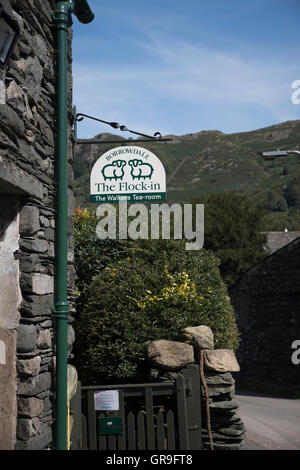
271	423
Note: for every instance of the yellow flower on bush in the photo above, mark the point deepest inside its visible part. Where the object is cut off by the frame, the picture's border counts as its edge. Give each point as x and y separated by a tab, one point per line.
111	271
180	288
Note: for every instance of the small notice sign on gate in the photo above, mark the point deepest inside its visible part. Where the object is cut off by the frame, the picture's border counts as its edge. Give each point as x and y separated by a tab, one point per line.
107	400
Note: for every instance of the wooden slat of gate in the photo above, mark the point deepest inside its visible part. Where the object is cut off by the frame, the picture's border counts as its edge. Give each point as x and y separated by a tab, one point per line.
92	421
170	430
141	437
84	433
150	418
112	442
160	431
122	437
182	413
102	443
102	440
131	431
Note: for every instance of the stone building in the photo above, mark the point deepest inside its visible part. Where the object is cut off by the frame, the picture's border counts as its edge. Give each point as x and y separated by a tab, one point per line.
27	228
267	304
276	240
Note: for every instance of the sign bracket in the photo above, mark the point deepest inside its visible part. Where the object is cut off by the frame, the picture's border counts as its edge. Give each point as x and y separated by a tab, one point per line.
78	117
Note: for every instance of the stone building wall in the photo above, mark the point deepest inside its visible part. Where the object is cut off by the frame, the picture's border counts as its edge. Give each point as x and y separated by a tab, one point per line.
267	304
276	240
27	229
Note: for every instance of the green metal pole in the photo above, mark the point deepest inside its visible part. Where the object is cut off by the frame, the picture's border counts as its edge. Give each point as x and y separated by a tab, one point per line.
61	306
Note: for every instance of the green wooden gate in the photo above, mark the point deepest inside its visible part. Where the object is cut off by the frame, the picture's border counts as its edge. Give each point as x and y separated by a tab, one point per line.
151	416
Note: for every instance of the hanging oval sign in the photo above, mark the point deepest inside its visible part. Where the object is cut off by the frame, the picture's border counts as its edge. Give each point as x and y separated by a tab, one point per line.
128	173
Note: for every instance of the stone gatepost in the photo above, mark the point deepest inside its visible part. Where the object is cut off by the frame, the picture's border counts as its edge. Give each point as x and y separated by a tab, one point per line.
167	358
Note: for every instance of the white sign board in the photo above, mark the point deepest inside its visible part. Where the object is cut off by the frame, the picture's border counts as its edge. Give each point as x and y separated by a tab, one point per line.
129	173
108	400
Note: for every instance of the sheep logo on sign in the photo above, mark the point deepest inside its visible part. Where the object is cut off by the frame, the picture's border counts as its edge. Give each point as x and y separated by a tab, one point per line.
139	169
114	170
128	173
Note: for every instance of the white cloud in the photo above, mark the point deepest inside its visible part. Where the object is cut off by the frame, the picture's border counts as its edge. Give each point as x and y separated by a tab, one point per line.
181	78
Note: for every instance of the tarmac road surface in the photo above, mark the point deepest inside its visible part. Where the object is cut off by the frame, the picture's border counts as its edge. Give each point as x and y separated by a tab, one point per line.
271	423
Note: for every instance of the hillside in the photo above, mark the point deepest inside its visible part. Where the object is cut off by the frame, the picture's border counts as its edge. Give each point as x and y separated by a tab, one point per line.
210	161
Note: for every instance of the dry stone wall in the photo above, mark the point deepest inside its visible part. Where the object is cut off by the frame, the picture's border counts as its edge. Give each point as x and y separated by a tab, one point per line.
167	358
27	174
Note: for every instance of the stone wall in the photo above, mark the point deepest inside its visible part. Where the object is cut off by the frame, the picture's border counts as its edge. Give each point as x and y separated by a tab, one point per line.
27	187
267	304
167	358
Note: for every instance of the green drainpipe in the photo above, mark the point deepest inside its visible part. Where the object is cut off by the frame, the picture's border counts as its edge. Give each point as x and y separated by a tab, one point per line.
61	21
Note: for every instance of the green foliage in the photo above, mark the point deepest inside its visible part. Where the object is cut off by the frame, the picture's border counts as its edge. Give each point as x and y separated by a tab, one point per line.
279	222
152	294
92	254
274	202
233	232
292	193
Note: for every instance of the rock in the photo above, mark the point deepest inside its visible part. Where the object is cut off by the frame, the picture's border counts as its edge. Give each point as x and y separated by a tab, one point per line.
15	97
29	220
29	136
218	390
27	338
30	407
232	431
153	374
42	284
2	92
170	355
71	338
171	376
27	428
35	385
44	221
37	305
12	123
49	234
200	336
217	420
29	366
44	339
228	446
11	175
28	263
213	378
36	245
33	76
224	405
40	48
37	283
38	442
221	360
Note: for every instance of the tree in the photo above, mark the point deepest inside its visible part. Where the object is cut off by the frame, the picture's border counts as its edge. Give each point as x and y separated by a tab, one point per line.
233	232
292	193
92	255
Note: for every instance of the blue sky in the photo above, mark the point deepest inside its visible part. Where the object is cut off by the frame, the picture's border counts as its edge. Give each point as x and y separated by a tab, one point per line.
181	67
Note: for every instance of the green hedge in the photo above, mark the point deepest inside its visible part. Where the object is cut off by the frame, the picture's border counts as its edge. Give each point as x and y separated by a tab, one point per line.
151	294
